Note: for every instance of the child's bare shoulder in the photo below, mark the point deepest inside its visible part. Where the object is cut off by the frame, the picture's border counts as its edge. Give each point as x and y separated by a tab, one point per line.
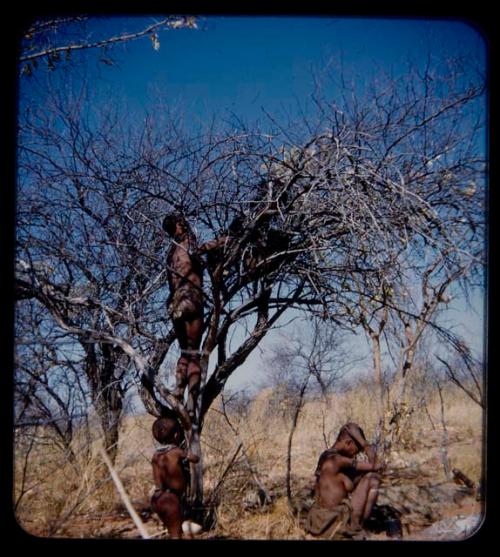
169	453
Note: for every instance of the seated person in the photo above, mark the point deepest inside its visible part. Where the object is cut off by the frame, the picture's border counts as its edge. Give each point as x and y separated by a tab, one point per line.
170	472
345	489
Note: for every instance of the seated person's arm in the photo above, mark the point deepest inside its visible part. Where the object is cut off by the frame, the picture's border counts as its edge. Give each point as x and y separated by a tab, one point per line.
345	462
371	453
367	466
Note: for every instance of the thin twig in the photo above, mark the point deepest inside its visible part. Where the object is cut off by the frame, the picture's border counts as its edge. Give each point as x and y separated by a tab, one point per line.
123	494
444	443
213	495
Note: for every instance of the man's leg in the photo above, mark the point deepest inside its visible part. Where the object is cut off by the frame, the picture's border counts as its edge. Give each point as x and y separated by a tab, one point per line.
193	335
363	498
194	378
181	372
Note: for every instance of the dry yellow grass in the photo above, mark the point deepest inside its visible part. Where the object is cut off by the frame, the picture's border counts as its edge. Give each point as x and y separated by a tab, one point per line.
66	499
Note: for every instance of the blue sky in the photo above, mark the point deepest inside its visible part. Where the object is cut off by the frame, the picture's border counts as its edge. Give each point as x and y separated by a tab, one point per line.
242	64
245	63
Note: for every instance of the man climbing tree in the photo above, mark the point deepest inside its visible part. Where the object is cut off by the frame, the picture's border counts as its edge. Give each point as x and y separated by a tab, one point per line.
185	304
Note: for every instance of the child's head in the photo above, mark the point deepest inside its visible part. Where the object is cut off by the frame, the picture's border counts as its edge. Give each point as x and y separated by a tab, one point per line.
351	439
166	430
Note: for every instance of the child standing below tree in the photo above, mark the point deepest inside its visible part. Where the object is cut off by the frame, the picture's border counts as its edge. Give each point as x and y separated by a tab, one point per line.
171	475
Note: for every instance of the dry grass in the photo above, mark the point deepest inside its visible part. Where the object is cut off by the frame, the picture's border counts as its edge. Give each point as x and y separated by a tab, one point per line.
66	499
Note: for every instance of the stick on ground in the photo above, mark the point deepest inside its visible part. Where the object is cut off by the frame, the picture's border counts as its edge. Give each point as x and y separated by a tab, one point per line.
123	494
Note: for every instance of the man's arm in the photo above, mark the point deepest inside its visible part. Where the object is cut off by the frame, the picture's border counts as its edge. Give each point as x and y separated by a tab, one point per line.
213	244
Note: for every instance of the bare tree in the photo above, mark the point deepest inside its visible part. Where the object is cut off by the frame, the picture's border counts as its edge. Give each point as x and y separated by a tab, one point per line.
419	306
80	238
313	356
315	215
467	375
372	314
50	390
405	145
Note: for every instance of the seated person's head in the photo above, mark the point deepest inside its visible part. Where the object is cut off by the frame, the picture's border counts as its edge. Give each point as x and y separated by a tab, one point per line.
174	224
351	440
167	430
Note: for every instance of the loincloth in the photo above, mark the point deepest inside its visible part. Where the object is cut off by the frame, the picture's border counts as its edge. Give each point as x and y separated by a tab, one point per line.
186	303
326	523
159	491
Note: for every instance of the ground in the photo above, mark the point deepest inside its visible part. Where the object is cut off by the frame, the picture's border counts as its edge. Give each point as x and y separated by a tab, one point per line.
82	502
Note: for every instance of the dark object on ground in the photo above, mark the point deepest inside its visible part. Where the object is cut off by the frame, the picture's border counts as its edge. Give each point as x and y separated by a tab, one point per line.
460	478
385	518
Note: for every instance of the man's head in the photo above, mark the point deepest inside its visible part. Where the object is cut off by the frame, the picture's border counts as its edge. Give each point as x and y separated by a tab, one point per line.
351	439
175	224
166	430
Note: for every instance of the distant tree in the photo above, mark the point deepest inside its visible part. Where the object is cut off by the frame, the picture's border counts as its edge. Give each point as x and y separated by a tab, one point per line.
402	143
50	389
467	375
313	357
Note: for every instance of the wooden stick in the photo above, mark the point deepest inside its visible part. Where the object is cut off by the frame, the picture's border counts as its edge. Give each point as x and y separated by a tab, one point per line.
124	496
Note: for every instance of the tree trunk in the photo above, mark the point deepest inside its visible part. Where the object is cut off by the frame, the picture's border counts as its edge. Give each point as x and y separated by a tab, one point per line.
196	485
109	414
377	367
295	419
196	468
106	393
